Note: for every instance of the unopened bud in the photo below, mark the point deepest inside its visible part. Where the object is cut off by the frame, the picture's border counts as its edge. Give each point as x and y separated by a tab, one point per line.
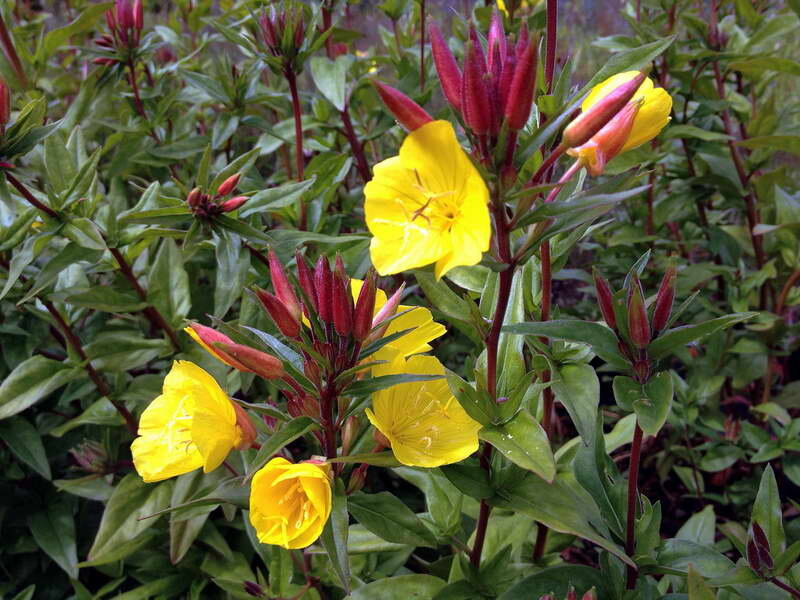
306	279
638	325
641	369
571	594
283	289
124	14
91	456
193	199
605	298
5	104
279	312
227	186
323	282
446	67
523	84
138	14
407	112
365	307
590	595
357	479
233	203
664	300
387	310
262	364
246	428
252	588
496	42
349	433
342	302
753	558
475	101
592	120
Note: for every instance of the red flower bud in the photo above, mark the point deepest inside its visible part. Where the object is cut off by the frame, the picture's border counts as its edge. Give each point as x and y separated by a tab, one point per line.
475	101
193	199
407	112
571	594
607	143
280	314
387	310
111	21
138	15
283	289
506	77
520	95
227	186
664	300
753	558
232	204
588	123
208	338
342	304
105	41
5	104
496	42
323	282
638	324
590	595
254	361
365	307
306	279
446	67
124	14
605	298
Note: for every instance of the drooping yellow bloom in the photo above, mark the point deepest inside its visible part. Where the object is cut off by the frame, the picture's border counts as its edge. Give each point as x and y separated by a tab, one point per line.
427	205
417	318
424	423
650	112
290	503
191	424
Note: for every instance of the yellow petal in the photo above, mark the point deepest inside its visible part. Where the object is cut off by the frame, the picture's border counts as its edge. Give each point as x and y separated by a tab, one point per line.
609	85
652	117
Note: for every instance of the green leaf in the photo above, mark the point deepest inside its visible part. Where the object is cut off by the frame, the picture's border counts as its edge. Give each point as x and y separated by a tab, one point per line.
558	580
599	337
378	459
85	21
286	434
679	554
25	443
182	531
782	143
334	536
101	412
698	590
168	283
123	350
276	198
699	528
442	297
479	406
690	131
233	261
53	529
676	338
241	164
84	233
652	407
369	386
132	499
105	299
330	77
767	512
524	442
578	389
400	587
31	381
390	519
629	60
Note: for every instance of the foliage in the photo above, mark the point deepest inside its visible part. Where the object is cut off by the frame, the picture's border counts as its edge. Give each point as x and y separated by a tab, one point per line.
624	356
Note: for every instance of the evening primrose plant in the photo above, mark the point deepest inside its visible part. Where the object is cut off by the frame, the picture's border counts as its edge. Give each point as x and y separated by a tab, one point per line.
323	301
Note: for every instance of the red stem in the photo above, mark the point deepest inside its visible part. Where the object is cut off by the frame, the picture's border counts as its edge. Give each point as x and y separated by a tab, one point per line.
355	144
785	587
298	137
550	54
26	193
11	53
633	494
422	45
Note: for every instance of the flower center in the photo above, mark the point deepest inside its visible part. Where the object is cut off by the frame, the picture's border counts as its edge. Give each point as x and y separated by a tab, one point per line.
438	209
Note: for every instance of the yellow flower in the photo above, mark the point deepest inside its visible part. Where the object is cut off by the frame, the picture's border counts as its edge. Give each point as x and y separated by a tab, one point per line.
422	420
290	503
191	424
427	205
521	4
419	319
647	114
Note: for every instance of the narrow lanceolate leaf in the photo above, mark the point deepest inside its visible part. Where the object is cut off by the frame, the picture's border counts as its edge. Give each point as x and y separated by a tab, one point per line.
678	337
25	443
767	511
599	337
54	532
31	381
285	435
389	518
334	536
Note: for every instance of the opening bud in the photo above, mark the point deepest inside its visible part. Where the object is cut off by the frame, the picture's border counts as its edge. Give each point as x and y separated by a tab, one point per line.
407	112
387	310
254	361
590	121
245	426
609	141
208	338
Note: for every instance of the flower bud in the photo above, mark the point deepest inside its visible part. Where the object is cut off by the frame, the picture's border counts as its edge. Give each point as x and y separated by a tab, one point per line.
590	595
387	310
253	589
232	204
523	84
609	141
506	77
323	282
262	364
246	427
227	186
280	283
357	479
592	120
208	338
407	112
475	104
277	310
5	104
446	67
638	324
753	558
193	199
138	15
605	298
365	307
306	279
571	594
349	433
664	300
124	14
342	301
641	370
496	43
91	456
